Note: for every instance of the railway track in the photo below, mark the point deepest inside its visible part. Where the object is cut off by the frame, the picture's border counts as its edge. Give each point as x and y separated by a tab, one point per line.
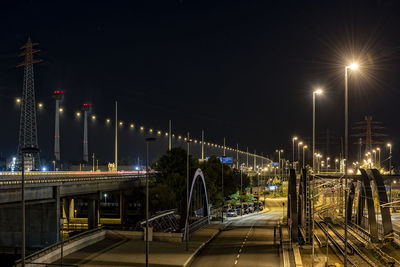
357	252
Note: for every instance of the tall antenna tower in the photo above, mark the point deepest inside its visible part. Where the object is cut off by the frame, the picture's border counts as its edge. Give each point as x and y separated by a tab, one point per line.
28	124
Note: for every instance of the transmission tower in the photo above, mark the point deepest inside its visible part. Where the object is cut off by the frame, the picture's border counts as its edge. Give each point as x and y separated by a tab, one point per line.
28	124
369	128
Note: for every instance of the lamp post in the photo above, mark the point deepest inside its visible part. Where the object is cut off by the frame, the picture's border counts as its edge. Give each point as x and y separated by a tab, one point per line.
379	157
187	192
279	158
327	163
389	145
24	152
336	161
148	140
374	153
304	149
293	140
353	66
299	144
316	92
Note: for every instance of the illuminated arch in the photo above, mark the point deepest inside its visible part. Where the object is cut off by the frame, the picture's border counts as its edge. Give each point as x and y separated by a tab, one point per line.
198	174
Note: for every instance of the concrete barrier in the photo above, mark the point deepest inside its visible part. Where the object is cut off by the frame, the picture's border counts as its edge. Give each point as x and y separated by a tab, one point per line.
69	248
139	235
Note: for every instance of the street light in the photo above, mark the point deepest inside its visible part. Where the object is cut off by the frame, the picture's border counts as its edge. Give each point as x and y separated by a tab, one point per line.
374	153
148	140
389	145
187	193
304	148
293	140
316	92
279	151
299	144
379	157
24	151
353	66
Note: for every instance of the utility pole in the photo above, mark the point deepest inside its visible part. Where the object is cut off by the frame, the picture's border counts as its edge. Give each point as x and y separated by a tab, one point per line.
237	156
116	136
202	145
187	193
170	136
247	157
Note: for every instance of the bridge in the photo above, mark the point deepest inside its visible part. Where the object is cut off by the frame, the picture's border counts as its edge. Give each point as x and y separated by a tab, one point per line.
50	196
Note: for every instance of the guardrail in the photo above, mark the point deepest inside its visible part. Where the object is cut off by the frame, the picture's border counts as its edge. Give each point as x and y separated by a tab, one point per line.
54	246
69	178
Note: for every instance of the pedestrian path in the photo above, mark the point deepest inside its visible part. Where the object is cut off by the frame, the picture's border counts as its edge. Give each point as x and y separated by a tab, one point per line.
118	249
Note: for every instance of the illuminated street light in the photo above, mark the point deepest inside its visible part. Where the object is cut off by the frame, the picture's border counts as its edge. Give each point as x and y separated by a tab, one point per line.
121	123
131	125
61	110
141	128
299	144
108	121
304	148
93	117
293	140
78	114
316	92
40	105
18	100
353	66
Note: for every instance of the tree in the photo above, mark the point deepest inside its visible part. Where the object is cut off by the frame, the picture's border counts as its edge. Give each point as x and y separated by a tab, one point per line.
170	185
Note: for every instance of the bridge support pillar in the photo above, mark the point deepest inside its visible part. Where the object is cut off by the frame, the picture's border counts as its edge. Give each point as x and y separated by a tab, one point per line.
71	208
93	213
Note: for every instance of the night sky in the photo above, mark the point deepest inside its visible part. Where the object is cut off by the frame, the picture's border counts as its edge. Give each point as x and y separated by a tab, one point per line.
241	69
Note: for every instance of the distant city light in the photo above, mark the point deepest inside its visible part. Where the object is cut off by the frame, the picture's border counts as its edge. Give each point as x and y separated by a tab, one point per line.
18	100
137	168
141	128
94	117
108	121
121	123
40	105
61	110
78	114
44	169
132	125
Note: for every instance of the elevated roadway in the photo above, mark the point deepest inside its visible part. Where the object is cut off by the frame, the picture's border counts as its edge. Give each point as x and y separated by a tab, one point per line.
45	185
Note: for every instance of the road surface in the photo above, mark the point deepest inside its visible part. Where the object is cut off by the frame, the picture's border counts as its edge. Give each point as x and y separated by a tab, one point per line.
247	241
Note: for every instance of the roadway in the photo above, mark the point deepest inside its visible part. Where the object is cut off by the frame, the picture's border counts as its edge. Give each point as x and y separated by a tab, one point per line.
247	241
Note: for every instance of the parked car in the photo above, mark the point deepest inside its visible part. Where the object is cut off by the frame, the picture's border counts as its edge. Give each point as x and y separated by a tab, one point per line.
231	213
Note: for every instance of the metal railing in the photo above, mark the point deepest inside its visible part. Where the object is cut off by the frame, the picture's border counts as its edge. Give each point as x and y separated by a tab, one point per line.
55	246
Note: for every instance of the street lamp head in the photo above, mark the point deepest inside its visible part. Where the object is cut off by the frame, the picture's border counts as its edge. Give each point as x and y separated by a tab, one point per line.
389	145
318	91
295	138
305	147
300	143
353	66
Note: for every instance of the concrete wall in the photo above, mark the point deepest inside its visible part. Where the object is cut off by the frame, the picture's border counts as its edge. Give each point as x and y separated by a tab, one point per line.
41	225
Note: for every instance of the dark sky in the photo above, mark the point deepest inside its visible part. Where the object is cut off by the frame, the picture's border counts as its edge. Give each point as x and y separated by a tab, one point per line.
240	69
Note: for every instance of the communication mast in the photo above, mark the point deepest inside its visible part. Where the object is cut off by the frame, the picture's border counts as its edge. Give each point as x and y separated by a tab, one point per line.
28	124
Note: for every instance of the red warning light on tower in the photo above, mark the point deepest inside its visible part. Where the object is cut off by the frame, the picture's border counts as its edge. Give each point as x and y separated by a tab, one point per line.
58	94
86	106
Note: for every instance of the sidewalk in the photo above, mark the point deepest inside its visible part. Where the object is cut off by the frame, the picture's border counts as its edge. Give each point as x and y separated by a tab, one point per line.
117	250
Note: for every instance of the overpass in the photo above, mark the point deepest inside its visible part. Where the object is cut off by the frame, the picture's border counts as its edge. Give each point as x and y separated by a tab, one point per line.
50	197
